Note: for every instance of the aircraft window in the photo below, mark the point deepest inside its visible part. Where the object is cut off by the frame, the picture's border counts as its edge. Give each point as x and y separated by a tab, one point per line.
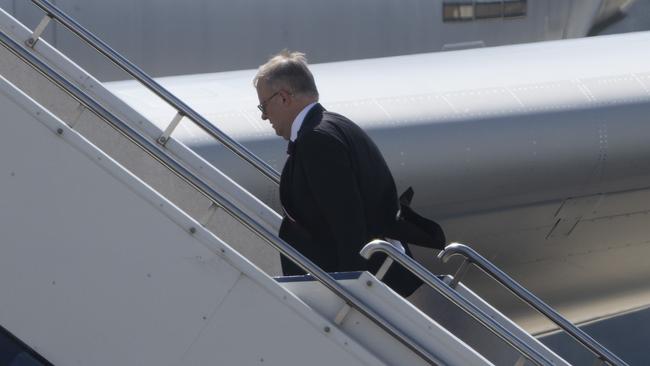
458	11
466	10
488	9
514	8
13	352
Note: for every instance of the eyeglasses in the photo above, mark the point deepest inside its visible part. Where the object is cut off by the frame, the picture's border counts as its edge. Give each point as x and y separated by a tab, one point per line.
262	106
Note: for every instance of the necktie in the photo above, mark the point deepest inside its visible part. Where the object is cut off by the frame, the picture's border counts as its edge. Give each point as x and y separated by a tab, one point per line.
291	147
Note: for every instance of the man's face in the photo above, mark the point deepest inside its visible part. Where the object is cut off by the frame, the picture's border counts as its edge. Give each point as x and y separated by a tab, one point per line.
274	104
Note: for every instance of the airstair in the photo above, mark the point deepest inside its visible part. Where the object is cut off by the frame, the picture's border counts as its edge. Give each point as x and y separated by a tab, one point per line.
120	246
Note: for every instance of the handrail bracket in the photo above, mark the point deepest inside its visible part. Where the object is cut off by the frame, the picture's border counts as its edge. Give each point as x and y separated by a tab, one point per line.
172	126
460	273
31	41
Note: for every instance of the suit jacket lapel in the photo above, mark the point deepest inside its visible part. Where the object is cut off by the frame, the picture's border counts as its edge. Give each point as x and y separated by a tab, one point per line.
311	120
286	179
285	184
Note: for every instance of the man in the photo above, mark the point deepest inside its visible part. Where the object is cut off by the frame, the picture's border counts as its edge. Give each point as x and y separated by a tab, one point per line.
336	189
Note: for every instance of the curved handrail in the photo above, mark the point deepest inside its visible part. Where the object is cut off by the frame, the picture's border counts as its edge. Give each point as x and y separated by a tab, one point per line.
472	310
491	270
165	158
182	108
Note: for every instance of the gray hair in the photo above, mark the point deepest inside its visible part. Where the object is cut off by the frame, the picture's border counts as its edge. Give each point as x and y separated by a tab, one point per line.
288	70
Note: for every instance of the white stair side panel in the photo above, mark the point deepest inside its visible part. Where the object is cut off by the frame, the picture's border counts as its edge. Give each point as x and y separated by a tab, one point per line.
92	128
262	333
396	310
98	269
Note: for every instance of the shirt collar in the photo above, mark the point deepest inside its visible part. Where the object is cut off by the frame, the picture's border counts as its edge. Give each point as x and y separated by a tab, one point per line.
300	118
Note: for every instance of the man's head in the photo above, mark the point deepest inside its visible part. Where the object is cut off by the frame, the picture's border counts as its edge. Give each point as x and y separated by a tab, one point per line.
284	87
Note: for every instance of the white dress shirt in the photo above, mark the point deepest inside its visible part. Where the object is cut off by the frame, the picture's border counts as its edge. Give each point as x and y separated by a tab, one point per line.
300	118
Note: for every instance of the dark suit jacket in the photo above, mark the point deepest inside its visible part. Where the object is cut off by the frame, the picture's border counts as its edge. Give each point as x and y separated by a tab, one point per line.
338	194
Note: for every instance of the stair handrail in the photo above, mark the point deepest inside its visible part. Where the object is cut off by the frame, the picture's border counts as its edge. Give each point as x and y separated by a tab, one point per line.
381	246
182	109
472	257
170	162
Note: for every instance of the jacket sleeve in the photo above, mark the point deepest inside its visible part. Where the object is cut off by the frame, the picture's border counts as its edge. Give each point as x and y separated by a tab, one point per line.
332	181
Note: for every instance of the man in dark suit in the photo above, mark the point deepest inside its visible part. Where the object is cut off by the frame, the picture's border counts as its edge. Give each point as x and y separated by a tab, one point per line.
336	189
